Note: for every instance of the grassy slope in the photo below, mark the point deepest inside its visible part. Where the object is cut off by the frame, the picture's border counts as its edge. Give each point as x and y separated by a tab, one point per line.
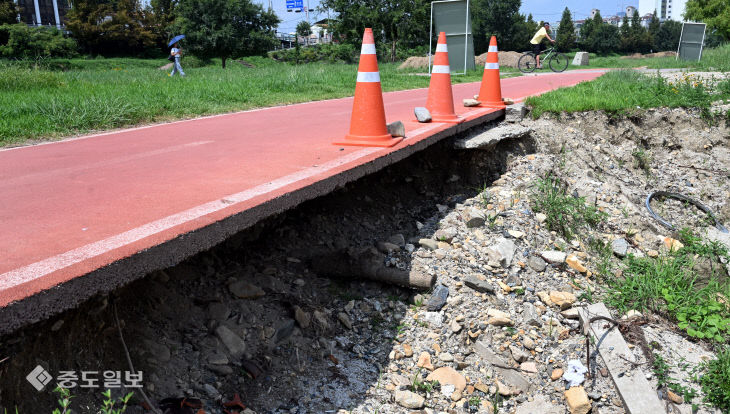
108	93
717	59
620	91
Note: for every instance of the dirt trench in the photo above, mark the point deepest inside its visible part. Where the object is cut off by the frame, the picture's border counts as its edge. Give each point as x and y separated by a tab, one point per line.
318	344
169	318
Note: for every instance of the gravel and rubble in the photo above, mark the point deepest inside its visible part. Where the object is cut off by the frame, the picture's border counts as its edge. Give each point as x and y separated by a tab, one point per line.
497	331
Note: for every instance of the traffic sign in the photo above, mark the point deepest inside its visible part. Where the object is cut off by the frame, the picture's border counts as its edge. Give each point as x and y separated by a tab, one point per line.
294	4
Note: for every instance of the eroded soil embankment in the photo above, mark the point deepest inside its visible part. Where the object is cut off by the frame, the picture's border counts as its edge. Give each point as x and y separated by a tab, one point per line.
252	317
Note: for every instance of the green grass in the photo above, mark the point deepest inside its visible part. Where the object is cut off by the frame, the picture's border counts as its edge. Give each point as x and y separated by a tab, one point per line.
670	285
624	91
566	215
42	103
715	380
713	60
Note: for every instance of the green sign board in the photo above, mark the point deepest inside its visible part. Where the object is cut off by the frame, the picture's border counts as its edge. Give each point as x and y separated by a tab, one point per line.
452	17
691	41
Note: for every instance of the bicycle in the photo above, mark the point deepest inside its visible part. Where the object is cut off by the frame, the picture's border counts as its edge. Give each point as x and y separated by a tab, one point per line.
557	61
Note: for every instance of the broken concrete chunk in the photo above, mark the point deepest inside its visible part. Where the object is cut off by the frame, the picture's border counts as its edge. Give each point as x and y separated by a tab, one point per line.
397	129
471	102
422	114
488	139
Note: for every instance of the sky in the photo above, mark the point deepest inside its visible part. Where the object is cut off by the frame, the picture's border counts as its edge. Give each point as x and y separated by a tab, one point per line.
549	10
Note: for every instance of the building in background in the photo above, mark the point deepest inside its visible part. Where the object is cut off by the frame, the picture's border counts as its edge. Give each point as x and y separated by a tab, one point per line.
44	12
665	9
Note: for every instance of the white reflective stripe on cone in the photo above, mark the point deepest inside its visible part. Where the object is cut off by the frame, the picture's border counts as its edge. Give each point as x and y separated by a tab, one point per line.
492	49
441	69
491	66
441	48
368	77
367	49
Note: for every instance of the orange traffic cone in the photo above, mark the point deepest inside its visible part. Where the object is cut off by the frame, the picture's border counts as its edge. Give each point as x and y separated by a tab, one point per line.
367	125
490	93
440	101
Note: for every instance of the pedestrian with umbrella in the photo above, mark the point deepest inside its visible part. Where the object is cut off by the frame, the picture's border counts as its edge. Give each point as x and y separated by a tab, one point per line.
175	54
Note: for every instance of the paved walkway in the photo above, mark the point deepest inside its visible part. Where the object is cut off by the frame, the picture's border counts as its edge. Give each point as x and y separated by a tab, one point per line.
73	207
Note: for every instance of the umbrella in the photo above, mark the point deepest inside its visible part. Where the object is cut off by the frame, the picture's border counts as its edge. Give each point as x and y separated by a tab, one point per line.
175	40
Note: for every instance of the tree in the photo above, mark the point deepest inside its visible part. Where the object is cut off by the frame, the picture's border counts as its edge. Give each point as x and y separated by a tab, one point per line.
716	13
565	39
24	42
225	28
654	26
605	39
304	29
398	23
496	18
115	28
627	41
668	36
586	30
524	30
8	12
642	40
161	15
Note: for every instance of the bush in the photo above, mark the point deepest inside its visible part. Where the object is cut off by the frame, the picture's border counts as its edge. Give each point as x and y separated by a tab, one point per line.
332	53
715	380
23	41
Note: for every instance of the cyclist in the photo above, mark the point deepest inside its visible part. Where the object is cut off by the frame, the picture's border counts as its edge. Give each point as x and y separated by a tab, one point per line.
536	42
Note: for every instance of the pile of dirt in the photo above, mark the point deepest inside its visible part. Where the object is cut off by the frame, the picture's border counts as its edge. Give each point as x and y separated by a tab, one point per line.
415	62
506	59
650	55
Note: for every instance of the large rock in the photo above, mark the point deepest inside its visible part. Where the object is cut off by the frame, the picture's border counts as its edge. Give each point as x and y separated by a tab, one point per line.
446	234
232	342
397	129
502	252
473	217
530	315
563	299
448	375
409	399
489	139
474	282
554	256
422	114
245	290
536	264
438	298
620	247
580	59
577	401
511	377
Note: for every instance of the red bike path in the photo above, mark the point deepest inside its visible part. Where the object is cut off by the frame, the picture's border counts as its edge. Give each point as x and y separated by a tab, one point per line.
88	214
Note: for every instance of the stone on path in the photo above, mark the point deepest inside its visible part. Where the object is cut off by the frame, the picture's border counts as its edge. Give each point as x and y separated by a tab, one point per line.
502	252
409	399
577	401
448	375
422	114
428	244
554	256
511	377
482	286
424	361
473	217
438	298
471	102
620	247
397	129
575	264
536	264
563	299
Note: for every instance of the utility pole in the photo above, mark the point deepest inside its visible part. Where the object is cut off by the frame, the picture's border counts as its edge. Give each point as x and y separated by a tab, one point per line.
308	12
